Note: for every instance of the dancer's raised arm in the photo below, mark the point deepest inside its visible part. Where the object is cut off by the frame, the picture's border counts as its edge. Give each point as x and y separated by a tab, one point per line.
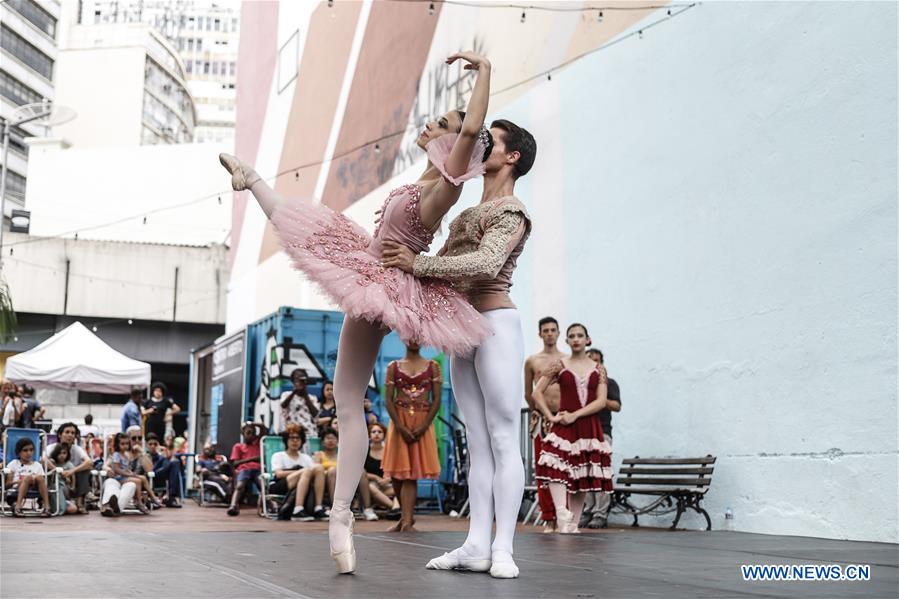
475	114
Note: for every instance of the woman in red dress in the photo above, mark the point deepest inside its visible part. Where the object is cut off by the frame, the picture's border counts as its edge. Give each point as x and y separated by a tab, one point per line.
575	458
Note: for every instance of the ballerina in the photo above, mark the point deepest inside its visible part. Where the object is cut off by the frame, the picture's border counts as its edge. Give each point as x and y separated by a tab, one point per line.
345	262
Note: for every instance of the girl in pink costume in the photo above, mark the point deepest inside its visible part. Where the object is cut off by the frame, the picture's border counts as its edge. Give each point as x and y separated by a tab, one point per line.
344	261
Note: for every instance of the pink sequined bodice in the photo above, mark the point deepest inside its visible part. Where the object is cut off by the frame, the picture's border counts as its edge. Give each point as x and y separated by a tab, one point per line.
400	221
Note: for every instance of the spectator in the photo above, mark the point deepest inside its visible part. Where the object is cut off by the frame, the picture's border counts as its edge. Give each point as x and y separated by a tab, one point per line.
245	461
89	428
328	411
166	470
31	408
216	472
298	406
156	408
598	504
327	457
293	469
370	416
412	397
60	457
122	472
380	485
23	472
116	495
131	413
12	405
68	433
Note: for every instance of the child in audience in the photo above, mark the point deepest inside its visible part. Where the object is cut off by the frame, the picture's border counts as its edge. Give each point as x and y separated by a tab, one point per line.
24	472
60	457
121	468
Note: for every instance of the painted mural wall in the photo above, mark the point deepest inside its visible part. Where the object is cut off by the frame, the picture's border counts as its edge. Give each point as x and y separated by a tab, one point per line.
714	198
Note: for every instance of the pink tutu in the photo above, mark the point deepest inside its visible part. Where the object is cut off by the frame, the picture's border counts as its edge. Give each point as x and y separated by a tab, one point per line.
343	259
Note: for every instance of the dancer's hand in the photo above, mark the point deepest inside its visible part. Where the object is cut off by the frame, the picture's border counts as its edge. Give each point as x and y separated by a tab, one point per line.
407	434
475	61
397	256
567	417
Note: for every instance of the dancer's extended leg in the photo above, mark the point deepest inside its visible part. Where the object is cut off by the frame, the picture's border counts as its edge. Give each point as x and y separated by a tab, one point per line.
356	355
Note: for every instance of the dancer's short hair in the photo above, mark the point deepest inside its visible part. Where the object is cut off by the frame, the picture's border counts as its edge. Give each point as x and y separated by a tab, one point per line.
546	320
518	139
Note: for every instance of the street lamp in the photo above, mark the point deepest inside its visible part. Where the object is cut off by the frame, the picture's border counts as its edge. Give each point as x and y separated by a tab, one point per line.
51	115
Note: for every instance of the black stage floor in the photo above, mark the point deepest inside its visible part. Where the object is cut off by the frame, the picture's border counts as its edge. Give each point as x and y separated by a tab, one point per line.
618	563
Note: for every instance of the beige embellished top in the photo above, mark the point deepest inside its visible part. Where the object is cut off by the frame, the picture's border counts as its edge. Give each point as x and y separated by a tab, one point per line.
481	252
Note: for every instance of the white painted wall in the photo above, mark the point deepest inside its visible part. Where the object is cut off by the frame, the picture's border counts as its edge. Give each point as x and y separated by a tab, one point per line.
114	279
728	192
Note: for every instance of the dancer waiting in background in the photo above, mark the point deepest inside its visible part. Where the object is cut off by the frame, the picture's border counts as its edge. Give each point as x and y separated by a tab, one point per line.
412	396
380	485
345	261
534	367
575	458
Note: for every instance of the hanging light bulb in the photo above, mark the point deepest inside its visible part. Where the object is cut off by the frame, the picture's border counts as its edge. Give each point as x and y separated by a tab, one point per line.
145	220
296	175
523	16
220	200
94	328
640	34
377	148
599	17
549	76
130	321
669	12
10	251
15	338
431	9
330	3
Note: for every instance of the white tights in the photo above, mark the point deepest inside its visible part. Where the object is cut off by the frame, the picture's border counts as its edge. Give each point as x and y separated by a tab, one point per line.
357	352
488	387
562	499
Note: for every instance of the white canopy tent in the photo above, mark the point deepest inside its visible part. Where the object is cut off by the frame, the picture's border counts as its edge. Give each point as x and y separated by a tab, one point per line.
75	358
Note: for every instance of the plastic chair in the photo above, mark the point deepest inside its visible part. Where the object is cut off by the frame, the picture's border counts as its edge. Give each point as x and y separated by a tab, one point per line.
11	436
270	445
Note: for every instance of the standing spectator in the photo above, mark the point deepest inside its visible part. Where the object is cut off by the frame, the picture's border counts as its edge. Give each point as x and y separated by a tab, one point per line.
68	433
598	504
132	411
327	414
298	406
89	428
413	399
12	405
31	408
293	469
170	471
24	471
245	460
156	408
534	366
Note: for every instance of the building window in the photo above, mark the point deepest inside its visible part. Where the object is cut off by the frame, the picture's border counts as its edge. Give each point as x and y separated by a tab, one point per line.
38	17
232	68
15	185
288	61
30	55
15	92
215	67
189	67
218	25
199	44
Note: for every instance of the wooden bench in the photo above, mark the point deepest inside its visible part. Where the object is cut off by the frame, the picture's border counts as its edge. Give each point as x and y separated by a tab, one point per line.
677	483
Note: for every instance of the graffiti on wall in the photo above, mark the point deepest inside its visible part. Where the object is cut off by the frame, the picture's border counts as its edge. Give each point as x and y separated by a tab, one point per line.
279	360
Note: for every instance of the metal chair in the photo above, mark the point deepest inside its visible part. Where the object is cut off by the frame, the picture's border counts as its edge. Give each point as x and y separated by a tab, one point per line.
11	436
270	445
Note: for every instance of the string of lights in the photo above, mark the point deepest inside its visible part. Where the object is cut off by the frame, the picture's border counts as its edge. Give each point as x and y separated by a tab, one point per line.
673	11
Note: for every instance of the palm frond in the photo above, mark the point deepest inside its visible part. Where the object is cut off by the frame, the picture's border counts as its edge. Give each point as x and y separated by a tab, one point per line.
7	313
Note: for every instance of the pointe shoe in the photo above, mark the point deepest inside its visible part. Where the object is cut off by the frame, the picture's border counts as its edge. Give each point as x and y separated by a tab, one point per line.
242	176
345	559
503	565
458	559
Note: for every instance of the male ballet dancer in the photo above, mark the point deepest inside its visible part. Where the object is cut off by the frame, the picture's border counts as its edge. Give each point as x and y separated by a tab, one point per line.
534	367
479	257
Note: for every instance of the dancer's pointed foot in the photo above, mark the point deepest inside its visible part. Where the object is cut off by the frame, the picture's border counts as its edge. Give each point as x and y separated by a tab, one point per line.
459	559
242	176
340	533
565	522
503	565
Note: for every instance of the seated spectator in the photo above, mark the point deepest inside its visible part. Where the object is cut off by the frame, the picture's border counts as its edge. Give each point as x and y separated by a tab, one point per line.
245	461
216	472
167	471
328	411
68	433
140	463
293	469
24	472
380	485
116	495
327	457
122	472
60	457
168	449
